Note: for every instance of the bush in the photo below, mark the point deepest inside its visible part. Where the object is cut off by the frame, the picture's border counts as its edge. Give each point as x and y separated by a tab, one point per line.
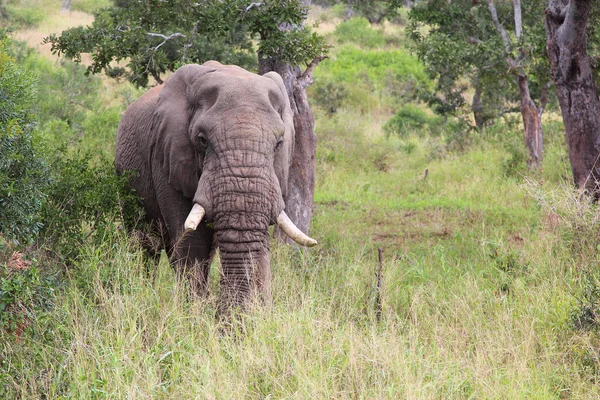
411	118
376	70
23	174
24	294
330	95
25	17
86	199
358	31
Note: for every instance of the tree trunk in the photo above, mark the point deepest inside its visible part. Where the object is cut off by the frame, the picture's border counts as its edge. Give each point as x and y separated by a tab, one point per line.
66	6
301	182
532	114
577	94
477	108
532	123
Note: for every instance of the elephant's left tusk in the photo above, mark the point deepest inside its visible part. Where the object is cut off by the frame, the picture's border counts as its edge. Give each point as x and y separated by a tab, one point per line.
293	231
194	218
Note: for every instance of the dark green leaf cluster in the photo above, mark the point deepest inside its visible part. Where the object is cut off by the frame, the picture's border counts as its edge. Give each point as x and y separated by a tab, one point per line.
155	36
86	199
458	42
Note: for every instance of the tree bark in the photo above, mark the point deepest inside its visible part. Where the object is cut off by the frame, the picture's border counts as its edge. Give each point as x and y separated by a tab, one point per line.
532	114
301	181
66	6
571	72
532	123
477	108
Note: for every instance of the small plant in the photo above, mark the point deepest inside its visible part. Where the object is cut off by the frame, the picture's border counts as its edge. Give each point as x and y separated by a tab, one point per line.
516	163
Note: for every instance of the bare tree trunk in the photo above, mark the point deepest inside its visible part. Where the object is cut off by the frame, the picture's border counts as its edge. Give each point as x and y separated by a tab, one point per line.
532	114
577	94
66	6
477	108
301	182
532	123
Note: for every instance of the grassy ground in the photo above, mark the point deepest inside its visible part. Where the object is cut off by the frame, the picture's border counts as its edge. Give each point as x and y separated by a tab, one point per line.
483	276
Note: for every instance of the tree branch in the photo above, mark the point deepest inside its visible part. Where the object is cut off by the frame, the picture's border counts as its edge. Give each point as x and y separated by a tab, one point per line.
574	26
166	38
252	5
499	26
518	20
306	78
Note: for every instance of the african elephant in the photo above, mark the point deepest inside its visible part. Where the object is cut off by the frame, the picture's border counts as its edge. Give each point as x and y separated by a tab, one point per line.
211	150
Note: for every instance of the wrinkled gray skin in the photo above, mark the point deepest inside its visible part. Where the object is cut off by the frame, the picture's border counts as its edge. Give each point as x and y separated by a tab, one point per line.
221	137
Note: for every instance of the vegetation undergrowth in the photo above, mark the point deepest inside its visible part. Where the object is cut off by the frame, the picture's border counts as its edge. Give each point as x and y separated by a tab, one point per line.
489	282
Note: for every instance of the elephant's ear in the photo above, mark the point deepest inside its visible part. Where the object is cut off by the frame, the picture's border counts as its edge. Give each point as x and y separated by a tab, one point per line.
284	154
174	150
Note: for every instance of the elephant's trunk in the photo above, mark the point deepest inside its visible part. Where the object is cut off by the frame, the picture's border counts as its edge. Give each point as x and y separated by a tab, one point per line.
245	264
243	206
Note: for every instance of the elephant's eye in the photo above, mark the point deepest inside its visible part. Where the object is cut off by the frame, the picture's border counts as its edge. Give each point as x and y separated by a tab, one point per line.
279	143
202	142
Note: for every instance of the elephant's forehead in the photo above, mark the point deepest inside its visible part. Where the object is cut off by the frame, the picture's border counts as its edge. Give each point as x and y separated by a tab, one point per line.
235	87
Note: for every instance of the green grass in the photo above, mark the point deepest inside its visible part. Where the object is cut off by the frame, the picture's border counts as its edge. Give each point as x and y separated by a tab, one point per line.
486	267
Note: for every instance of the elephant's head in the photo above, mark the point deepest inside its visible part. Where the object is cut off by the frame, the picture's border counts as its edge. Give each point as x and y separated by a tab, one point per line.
227	138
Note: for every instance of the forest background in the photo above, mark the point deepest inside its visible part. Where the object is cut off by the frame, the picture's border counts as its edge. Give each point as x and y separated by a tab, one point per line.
489	282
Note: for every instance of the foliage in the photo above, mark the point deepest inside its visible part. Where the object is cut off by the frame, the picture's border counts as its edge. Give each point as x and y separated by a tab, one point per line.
85	200
410	118
22	16
458	41
23	174
156	37
359	31
375	11
24	295
353	76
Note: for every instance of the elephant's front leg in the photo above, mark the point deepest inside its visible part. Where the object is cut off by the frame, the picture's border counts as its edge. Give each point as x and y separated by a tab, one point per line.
191	257
190	252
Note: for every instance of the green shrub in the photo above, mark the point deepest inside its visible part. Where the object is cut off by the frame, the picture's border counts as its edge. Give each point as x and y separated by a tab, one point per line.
25	17
375	70
358	31
99	129
23	180
63	92
23	174
330	95
411	118
90	6
24	294
86	199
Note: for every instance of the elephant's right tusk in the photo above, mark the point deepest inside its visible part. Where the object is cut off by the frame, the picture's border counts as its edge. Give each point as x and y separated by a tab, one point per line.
293	231
194	218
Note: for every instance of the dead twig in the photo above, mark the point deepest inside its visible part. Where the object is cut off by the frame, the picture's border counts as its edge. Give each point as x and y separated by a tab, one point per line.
378	306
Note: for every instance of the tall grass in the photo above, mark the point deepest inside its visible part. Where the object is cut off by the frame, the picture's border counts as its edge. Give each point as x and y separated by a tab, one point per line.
489	286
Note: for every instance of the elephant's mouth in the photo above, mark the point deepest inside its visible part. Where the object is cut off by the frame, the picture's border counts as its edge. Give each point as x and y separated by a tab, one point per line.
283	221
